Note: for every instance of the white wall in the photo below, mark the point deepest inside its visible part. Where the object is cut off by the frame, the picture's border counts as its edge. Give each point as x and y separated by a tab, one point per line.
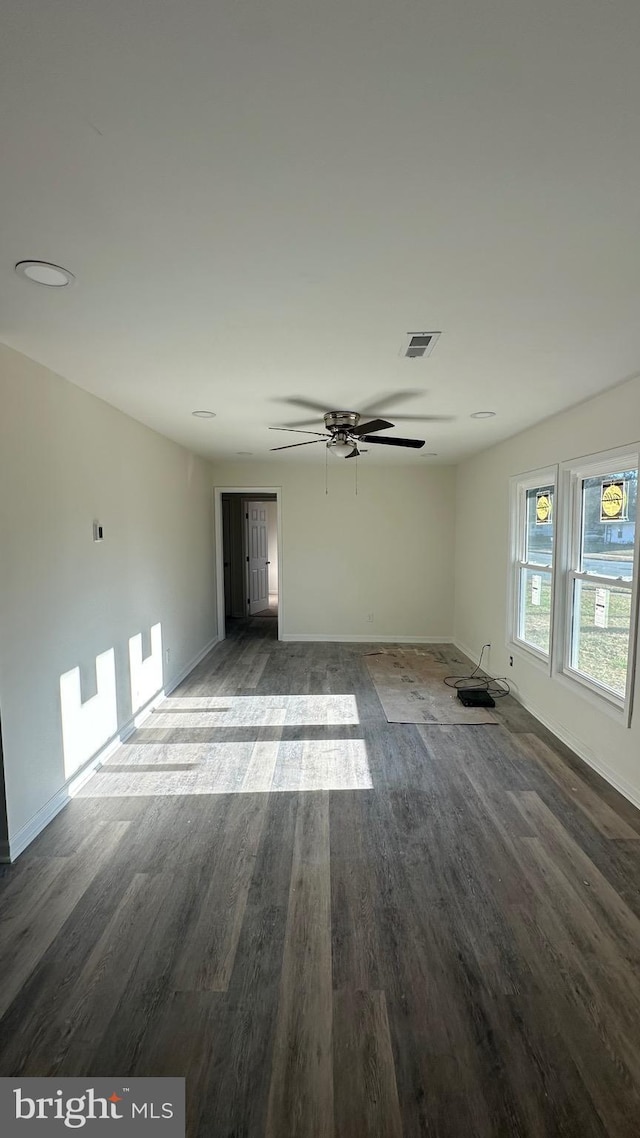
65	459
482	535
387	551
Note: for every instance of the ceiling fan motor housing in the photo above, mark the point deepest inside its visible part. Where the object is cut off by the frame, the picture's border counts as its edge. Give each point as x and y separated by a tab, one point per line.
341	420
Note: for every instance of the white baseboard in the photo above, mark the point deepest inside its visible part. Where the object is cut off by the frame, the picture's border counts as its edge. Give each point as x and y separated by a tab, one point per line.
353	638
583	752
466	651
12	849
188	668
29	832
574	743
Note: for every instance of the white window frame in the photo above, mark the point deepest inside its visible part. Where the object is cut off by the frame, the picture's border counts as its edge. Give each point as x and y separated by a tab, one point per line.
520	485
572	474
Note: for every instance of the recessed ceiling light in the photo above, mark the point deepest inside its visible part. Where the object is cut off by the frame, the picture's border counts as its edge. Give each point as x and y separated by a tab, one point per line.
482	415
41	272
204	414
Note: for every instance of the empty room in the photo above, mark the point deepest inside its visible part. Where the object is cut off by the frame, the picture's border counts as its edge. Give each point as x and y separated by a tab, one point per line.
319	446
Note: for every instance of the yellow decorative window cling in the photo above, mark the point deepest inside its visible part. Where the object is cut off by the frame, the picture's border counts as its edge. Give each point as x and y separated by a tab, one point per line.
613	501
544	507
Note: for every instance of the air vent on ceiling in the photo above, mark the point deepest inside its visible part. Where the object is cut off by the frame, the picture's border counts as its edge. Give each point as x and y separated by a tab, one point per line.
419	344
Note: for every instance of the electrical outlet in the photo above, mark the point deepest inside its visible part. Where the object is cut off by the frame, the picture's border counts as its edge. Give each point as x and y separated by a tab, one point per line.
370	617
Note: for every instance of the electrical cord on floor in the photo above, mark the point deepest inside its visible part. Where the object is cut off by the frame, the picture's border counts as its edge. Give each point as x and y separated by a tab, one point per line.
497	686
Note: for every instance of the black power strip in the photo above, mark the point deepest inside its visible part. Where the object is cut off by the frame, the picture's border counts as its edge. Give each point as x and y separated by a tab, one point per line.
476	697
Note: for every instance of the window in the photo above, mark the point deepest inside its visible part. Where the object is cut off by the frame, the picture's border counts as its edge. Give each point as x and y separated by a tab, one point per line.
600	586
573	589
533	558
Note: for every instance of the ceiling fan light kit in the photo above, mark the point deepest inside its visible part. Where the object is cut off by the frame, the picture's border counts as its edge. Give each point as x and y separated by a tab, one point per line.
342	445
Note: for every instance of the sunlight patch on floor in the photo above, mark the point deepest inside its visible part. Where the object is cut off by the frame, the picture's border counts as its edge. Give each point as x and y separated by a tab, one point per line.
233	768
182	713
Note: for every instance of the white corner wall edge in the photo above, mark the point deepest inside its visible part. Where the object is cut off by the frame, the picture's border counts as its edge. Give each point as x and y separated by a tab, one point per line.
10	850
348	638
576	745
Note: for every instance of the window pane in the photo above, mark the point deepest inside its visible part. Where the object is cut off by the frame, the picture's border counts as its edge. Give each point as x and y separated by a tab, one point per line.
534	618
539	526
600	639
608	524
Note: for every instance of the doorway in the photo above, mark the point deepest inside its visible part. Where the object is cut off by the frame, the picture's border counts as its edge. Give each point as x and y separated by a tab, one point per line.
247	523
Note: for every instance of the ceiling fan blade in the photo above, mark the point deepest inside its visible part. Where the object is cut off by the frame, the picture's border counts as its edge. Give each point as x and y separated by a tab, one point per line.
292	431
423	418
306	404
370	427
304	423
309	443
387	441
390	397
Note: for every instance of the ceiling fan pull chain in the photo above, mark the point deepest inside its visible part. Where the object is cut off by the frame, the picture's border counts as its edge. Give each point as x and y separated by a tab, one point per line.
356	466
326	470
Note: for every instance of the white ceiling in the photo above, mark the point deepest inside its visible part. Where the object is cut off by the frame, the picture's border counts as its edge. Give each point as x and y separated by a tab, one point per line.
260	200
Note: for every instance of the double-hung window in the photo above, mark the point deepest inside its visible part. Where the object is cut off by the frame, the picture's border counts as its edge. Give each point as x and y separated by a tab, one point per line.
533	526
599	599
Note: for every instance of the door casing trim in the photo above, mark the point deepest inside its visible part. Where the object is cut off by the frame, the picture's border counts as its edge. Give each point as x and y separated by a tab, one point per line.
246	492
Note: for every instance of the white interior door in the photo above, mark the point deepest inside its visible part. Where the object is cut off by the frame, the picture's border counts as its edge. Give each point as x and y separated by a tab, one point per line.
257	522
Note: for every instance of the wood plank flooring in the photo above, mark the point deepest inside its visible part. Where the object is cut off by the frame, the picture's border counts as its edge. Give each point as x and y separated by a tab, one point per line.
333	926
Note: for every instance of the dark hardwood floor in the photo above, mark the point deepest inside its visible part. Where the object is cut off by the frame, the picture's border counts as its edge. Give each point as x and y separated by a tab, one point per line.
332	925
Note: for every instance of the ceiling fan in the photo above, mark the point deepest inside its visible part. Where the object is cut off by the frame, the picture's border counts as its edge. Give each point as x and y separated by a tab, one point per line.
344	429
344	432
